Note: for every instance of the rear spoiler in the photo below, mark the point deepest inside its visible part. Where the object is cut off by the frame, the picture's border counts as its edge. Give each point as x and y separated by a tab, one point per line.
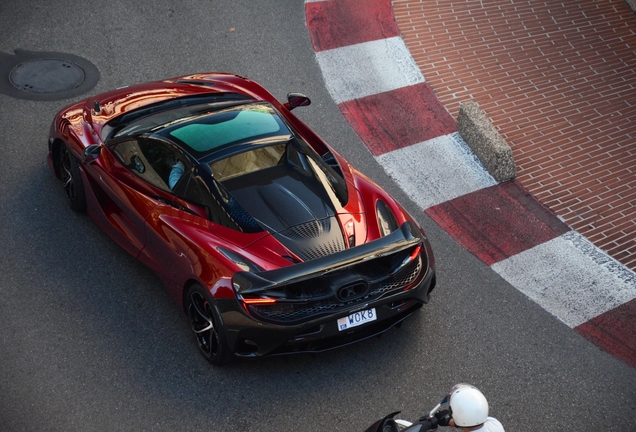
406	236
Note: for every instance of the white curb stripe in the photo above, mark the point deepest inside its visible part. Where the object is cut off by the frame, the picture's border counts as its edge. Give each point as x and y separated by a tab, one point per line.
355	71
437	170
570	278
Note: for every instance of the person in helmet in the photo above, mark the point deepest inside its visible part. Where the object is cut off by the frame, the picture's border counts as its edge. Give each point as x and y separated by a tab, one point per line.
466	408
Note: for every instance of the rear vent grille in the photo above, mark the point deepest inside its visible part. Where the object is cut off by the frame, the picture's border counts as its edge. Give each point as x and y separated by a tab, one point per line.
314	239
327	248
308	230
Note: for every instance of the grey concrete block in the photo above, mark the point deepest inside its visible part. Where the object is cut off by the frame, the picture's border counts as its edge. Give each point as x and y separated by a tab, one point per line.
487	143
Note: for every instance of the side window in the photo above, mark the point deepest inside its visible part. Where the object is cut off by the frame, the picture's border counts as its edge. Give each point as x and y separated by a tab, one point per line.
153	161
221	207
198	192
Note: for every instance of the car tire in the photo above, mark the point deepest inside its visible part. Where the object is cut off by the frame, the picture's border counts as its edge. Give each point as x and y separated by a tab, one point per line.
207	326
72	180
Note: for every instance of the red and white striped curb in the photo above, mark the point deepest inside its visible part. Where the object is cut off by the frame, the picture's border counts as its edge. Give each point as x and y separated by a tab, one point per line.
371	75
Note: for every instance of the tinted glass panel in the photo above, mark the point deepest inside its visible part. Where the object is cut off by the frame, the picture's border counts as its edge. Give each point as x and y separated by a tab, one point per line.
221	208
208	132
142	120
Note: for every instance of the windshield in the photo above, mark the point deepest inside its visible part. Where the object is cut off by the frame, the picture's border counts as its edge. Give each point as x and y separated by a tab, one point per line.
206	132
142	120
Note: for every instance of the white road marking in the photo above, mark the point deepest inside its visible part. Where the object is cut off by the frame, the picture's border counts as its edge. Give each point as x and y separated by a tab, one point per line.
355	71
570	278
437	170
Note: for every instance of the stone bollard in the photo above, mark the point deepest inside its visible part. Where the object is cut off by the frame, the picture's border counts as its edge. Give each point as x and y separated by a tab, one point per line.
487	143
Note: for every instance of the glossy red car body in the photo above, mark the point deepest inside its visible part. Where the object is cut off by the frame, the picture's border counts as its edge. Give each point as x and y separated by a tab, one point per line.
178	239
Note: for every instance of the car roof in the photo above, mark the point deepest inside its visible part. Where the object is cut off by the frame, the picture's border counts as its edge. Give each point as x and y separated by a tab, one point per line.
202	129
121	125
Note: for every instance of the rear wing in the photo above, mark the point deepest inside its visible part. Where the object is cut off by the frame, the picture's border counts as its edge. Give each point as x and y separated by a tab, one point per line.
249	283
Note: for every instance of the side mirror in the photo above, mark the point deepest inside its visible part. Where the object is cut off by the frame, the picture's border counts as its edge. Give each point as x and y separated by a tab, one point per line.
91	153
296	100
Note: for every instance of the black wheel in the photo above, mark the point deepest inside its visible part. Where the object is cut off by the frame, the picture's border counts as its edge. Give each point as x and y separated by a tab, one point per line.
205	324
72	180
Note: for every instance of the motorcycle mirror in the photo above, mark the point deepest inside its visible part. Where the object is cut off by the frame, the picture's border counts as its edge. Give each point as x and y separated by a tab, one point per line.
443	404
434	410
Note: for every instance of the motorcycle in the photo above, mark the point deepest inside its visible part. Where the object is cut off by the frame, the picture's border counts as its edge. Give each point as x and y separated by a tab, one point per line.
439	416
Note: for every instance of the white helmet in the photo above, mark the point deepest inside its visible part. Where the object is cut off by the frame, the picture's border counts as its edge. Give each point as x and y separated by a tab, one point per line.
468	405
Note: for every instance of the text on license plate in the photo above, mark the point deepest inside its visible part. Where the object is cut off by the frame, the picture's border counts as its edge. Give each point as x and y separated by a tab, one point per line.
356	319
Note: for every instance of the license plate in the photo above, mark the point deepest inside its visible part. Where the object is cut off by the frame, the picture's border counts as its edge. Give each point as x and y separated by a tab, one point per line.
356	319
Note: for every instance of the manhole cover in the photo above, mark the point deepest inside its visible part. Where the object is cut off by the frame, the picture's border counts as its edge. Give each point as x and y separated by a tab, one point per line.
46	76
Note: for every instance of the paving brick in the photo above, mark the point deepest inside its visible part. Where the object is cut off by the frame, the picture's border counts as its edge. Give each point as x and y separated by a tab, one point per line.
562	92
604	232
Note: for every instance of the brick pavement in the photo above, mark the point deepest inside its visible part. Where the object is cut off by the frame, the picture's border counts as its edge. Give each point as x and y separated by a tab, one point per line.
557	79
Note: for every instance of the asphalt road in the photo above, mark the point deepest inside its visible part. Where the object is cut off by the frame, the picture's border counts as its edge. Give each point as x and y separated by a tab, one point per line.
90	341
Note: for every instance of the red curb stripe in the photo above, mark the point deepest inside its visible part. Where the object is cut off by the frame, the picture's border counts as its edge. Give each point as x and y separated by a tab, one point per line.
334	24
497	222
614	332
398	118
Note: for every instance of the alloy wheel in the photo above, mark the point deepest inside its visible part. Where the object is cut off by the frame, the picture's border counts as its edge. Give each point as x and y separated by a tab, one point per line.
67	175
202	323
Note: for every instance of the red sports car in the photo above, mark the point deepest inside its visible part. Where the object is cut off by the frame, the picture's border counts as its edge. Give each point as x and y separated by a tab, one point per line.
268	239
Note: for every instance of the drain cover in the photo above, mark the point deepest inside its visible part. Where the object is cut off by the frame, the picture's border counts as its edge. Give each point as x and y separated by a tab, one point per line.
47	76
